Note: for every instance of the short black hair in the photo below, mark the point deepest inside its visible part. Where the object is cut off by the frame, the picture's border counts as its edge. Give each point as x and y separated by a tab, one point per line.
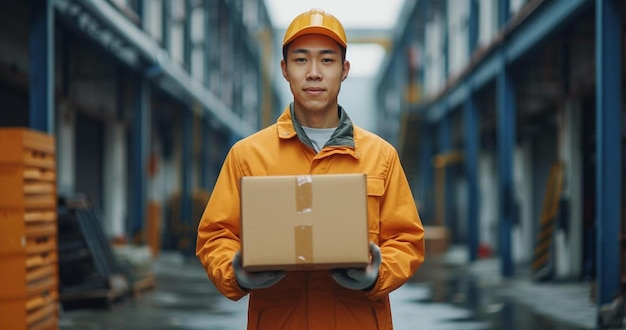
342	48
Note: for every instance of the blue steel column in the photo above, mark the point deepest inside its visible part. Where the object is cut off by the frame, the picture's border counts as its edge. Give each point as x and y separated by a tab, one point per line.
187	45
187	162
471	171
186	202
426	170
205	153
473	27
427	175
445	145
471	144
503	12
166	9
446	46
506	116
206	43
205	169
608	145
140	152
141	12
426	8
41	110
446	141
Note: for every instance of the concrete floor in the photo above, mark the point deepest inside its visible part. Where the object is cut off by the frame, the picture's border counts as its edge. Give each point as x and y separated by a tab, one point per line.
446	293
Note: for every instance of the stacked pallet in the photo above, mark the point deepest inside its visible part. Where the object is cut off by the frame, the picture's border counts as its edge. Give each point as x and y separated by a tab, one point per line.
28	230
137	263
90	276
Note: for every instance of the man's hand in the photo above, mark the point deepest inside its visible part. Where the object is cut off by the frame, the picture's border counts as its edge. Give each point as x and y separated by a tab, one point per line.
360	279
254	280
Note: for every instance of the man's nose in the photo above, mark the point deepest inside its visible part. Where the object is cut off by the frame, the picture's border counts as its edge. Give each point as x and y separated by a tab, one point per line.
314	73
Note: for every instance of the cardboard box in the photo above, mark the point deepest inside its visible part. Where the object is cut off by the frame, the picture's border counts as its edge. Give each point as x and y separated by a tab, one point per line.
306	222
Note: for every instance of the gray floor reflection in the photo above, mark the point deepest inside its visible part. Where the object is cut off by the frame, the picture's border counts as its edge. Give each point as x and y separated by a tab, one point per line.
453	295
412	308
443	296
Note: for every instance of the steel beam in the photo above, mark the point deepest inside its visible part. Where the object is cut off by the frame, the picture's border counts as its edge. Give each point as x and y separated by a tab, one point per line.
187	167
504	12
41	108
140	153
471	120
166	23
519	41
506	115
427	174
187	44
206	165
446	46
474	19
165	72
445	145
471	172
609	148
541	25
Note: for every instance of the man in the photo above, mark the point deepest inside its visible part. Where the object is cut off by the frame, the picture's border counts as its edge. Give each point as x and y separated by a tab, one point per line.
314	135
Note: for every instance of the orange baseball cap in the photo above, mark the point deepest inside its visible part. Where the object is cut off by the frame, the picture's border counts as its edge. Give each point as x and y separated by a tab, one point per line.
316	21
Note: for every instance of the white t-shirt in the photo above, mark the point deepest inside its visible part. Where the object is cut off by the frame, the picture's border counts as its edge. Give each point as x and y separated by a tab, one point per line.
319	136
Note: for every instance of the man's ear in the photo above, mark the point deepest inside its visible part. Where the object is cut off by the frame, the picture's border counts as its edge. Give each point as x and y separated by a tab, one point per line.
283	68
346	69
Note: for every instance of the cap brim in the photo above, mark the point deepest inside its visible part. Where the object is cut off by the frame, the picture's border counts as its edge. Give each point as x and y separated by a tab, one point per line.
317	30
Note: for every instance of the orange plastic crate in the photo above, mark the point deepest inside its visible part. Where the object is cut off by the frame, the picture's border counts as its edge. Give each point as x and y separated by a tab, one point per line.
19	145
27	187
43	317
13	270
12	238
41	244
28	275
27	230
35	312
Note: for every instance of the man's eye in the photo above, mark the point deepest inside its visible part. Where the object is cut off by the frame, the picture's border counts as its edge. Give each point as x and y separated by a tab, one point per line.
300	59
327	60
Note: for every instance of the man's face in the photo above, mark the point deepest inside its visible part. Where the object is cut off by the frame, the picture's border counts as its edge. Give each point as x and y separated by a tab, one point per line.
315	70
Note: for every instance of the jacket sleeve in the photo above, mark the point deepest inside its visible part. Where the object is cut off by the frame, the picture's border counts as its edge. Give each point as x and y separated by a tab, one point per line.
219	230
401	233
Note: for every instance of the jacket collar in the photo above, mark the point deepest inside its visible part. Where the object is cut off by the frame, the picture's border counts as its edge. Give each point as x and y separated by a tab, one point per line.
289	127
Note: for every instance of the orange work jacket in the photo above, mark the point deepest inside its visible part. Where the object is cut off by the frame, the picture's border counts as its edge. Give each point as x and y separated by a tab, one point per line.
312	299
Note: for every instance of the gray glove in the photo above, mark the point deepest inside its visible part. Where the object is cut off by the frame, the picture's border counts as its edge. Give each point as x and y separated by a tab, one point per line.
360	279
254	280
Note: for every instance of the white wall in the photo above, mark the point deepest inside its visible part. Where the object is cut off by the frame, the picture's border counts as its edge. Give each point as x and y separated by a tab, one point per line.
569	253
114	199
197	40
65	142
488	187
154	19
458	32
488	21
177	39
523	232
434	78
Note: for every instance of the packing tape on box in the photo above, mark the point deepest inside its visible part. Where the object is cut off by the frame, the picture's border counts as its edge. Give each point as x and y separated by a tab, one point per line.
303	234
304	193
304	244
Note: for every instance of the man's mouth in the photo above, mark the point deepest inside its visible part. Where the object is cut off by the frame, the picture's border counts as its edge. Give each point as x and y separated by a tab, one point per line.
314	91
